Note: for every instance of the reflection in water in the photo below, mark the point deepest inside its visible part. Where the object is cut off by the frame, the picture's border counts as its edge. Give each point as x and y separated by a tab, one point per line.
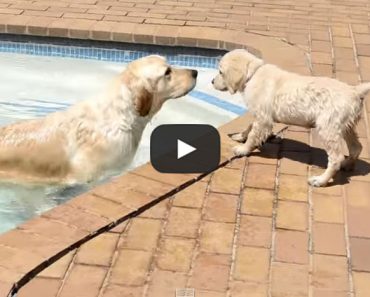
19	203
21	109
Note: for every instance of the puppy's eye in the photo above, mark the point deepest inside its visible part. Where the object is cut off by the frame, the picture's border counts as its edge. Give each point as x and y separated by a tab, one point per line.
168	72
220	72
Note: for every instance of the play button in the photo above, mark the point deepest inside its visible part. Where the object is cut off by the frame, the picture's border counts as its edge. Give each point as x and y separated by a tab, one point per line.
185	148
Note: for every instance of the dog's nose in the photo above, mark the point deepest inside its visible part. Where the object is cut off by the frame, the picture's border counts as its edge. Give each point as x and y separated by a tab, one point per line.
194	73
213	81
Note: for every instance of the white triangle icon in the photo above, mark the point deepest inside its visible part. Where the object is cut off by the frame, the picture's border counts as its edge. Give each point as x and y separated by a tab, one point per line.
184	149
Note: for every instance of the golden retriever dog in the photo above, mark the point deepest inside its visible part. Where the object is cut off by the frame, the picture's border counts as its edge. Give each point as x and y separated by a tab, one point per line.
274	95
93	138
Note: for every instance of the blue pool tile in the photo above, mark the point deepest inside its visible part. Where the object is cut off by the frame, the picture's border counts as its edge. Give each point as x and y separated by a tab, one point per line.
176	57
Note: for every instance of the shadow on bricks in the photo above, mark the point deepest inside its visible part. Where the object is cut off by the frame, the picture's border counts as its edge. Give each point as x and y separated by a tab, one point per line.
318	158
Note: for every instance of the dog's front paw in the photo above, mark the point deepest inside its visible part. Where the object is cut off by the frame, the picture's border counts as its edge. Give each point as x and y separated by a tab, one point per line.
347	164
240	150
239	137
274	138
317	181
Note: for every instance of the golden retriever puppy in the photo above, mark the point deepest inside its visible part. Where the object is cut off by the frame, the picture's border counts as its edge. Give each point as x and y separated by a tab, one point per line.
93	138
274	95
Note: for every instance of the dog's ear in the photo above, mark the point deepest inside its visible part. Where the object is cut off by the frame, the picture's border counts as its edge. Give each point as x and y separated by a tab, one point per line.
234	77
143	99
143	102
252	67
241	73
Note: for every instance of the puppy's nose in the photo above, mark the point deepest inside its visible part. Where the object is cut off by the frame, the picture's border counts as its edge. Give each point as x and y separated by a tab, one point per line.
194	73
213	81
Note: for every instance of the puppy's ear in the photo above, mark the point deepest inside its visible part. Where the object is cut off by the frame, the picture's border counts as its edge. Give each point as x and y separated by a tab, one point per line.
234	78
143	102
253	66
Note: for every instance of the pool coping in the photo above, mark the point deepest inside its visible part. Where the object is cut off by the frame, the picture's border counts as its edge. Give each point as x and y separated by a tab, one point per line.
47	238
202	37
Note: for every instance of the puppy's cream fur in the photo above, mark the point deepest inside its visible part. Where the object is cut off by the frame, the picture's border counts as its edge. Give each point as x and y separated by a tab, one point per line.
274	95
94	138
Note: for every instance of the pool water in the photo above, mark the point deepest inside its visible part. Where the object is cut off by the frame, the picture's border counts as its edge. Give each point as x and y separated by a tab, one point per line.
33	86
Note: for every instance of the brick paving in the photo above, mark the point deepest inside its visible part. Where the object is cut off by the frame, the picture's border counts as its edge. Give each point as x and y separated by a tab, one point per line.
254	228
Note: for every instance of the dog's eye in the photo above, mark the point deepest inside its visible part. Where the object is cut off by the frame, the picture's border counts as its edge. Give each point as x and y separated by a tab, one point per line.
220	72
168	72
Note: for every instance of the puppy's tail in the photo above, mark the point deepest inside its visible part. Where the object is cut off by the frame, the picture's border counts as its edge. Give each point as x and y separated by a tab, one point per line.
362	89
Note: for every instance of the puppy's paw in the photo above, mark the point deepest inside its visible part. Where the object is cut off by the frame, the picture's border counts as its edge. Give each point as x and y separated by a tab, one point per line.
347	165
240	150
274	138
317	181
239	137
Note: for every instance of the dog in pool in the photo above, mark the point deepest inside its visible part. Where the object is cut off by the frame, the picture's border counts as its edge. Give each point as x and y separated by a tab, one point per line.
275	95
93	138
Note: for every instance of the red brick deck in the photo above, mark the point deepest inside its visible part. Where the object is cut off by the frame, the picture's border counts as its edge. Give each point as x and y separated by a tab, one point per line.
254	228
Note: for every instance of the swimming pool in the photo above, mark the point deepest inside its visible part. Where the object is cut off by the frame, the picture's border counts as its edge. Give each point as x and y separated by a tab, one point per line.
37	79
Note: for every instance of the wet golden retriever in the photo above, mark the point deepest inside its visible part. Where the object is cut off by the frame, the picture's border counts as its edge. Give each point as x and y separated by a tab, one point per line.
274	95
93	138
